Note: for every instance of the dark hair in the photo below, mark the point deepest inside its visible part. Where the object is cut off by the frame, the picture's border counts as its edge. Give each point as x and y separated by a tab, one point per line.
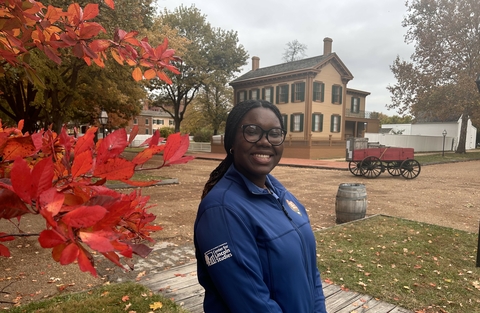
233	122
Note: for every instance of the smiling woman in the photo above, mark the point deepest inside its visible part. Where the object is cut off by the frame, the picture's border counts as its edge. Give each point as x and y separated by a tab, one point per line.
253	241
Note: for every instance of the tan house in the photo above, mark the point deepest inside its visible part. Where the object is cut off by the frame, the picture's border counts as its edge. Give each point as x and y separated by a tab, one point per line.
150	119
319	111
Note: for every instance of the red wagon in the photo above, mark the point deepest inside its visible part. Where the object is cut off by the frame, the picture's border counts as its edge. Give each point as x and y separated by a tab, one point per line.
371	162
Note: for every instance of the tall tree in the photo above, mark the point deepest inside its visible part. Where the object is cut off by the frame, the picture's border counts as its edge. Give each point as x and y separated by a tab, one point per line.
211	52
215	100
294	51
439	81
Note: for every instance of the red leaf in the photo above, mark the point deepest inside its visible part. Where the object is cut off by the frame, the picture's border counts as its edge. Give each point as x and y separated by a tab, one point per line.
11	205
18	147
22	180
147	154
86	141
85	263
84	216
115	169
176	147
4	251
51	202
110	3
42	176
96	241
133	134
141	250
50	238
112	256
90	12
112	145
82	163
69	254
182	160
6	238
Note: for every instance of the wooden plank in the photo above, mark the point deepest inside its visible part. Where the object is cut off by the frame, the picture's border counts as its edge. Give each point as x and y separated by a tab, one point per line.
329	289
400	310
356	305
340	300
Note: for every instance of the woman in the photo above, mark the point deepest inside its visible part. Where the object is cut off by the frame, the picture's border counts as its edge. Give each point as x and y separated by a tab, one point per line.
253	241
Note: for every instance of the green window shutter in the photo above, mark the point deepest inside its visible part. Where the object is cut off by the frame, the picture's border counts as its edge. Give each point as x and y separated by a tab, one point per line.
351	104
314	117
340	93
263	93
323	92
285	121
333	93
339	124
250	94
276	94
292	120
301	122
315	87
302	89
321	122
332	119
271	95
293	93
286	89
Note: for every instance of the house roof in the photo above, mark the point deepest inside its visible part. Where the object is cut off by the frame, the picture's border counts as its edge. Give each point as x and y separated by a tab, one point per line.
313	63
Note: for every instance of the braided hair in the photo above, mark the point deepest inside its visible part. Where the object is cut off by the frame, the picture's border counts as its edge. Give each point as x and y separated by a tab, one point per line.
233	120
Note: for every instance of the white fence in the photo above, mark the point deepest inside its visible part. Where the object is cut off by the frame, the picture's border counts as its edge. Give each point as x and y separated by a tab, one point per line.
194	146
418	143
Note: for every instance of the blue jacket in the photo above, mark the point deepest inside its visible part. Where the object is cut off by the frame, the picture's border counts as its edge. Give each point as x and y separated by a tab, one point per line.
256	251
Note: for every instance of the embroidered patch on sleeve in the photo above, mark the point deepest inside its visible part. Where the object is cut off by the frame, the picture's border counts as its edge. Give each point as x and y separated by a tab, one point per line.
218	254
293	207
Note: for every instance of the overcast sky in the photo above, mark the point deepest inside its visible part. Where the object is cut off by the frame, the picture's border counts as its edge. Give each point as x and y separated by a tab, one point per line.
367	35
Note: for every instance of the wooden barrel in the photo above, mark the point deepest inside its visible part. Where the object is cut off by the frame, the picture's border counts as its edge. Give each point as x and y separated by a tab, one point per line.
351	202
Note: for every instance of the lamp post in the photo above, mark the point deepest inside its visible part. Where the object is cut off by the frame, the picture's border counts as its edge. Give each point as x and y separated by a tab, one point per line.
444	133
103	120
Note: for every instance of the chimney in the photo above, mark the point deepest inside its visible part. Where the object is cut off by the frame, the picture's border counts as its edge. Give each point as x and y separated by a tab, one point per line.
327	46
255	63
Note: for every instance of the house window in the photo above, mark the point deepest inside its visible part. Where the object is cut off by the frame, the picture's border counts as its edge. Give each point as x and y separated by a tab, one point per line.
317	122
170	122
296	122
355	106
285	121
135	121
241	96
335	124
254	93
154	121
337	94
267	94
160	122
318	91
282	94
146	121
146	131
298	92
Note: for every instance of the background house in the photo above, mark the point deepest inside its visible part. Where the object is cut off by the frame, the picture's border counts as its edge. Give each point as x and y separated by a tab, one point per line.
319	111
150	119
425	136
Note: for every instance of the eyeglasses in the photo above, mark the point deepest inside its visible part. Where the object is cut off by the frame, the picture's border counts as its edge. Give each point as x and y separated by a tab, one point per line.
253	133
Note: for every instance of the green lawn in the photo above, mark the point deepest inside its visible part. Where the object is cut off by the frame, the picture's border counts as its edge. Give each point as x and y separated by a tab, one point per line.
414	265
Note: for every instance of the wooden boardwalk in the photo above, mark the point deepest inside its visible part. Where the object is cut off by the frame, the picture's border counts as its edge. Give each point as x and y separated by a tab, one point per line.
180	284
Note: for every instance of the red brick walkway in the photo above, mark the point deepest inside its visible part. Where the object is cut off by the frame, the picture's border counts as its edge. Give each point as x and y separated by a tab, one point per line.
327	164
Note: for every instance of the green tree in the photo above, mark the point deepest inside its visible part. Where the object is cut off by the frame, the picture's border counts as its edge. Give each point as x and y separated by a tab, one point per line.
294	51
212	52
395	119
439	81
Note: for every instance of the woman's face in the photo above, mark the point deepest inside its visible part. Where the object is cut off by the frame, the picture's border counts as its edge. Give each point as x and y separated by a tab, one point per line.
256	160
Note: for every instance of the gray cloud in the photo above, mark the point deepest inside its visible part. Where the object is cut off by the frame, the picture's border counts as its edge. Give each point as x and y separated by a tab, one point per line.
367	35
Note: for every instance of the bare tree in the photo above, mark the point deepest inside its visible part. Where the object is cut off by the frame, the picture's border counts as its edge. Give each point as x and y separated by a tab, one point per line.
294	51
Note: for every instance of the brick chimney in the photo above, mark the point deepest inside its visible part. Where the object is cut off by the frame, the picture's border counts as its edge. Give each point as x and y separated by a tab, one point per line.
327	46
255	63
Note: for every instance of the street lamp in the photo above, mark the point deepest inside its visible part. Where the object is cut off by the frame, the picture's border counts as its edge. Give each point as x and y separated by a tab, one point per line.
103	120
444	133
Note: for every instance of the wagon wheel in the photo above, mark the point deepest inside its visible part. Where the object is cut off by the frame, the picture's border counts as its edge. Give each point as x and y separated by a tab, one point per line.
393	168
371	167
354	168
410	168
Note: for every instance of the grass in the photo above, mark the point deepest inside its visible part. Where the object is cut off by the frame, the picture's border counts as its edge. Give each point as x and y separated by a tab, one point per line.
415	265
114	298
448	157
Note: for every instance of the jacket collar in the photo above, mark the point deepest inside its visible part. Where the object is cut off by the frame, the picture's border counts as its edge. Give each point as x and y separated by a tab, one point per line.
271	182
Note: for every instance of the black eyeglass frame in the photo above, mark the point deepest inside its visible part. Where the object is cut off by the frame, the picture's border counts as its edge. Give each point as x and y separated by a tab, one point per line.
264	132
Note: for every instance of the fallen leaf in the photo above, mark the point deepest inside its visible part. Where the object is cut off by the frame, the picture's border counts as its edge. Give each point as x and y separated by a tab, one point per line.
125	298
156	305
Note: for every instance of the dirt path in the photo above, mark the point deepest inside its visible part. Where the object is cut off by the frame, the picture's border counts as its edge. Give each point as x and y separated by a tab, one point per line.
446	194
